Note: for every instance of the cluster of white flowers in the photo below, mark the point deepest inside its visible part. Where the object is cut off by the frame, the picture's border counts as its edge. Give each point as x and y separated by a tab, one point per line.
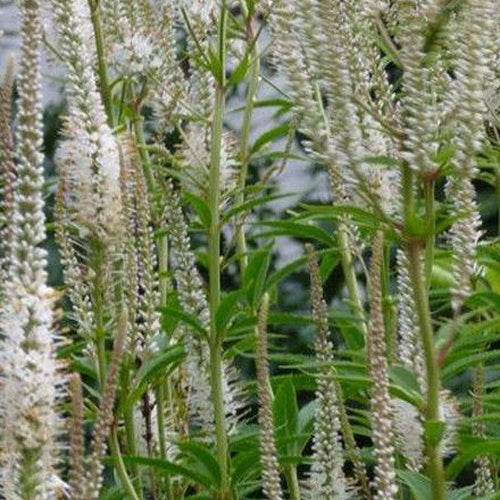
410	350
141	41
409	432
7	172
30	382
140	255
271	484
474	66
381	408
340	133
327	477
420	106
449	414
89	157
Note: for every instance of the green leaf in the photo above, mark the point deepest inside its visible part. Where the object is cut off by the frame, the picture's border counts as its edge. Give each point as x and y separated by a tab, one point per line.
405	378
185	317
205	458
255	276
285	411
226	309
469	361
388	161
284	272
169	468
420	486
298	230
246	465
305	423
240	71
200	207
252	203
463	494
468	453
271	135
329	263
162	364
360	216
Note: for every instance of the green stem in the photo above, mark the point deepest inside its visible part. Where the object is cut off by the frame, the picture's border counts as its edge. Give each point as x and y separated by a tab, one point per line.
163	268
214	288
104	86
347	261
216	366
253	85
407	182
128	418
350	445
419	286
430	227
114	446
497	175
144	155
435	462
292	482
388	307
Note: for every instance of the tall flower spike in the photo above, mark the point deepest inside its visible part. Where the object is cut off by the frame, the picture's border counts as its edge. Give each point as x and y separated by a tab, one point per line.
89	156
419	103
140	36
381	409
327	477
142	288
7	166
30	385
105	419
484	481
77	285
474	63
268	451
410	350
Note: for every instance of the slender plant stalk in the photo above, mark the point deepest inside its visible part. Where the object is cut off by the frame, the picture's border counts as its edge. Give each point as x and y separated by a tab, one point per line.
104	87
420	295
121	469
388	307
351	445
130	431
292	481
246	127
435	464
497	176
214	235
214	287
349	270
408	194
430	223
